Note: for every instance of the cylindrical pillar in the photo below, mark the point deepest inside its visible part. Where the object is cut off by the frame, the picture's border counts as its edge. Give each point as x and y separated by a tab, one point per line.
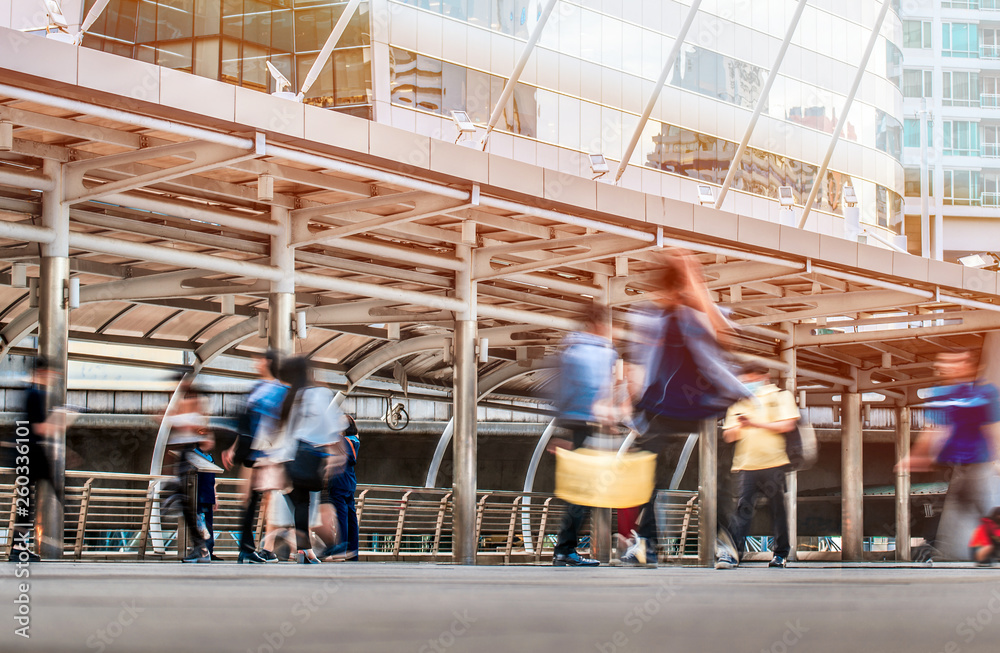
464	479
600	518
792	478
852	481
708	453
281	301
53	344
902	484
465	393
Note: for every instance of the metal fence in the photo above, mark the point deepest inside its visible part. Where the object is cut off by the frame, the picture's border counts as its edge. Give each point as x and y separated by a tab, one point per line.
116	517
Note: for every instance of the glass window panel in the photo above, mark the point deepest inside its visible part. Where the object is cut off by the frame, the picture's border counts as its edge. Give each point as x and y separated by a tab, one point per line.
496	91
455	9
477	101
285	63
591	131
257	22
146	25
428	84
453	88
175	20
283	30
525	110
569	122
632	49
207	19
118	22
591	44
175	55
569	30
356	32
351	77
548	114
611	42
230	61
312	26
402	76
206	58
255	73
479	12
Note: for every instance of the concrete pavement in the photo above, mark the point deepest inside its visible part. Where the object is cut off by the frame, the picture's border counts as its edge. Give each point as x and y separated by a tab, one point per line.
424	608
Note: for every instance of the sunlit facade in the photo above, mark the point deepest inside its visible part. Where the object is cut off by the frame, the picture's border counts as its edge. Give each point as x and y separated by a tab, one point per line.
952	71
410	63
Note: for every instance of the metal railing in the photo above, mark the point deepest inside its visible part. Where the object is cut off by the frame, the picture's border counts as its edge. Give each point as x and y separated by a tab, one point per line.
991	199
114	516
987	52
989	100
991	150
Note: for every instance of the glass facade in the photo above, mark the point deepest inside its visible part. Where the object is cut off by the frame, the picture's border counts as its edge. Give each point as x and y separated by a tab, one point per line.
960	40
229	40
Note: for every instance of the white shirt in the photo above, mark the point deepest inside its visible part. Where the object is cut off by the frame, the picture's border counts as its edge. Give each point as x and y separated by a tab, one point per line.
315	419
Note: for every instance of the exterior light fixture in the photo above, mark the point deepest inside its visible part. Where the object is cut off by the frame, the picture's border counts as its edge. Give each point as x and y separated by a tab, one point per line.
265	188
785	197
599	165
282	87
850	197
852	215
300	325
19	275
982	260
706	195
464	124
74	292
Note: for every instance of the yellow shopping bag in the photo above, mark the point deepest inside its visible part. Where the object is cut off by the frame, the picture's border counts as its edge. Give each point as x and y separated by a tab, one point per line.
603	479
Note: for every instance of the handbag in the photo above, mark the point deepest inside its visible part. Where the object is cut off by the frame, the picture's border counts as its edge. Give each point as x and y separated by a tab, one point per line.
693	376
307	469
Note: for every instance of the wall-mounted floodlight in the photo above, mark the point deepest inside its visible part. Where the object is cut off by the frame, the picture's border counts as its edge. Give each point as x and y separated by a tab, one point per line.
983	260
19	275
300	325
282	85
464	123
265	188
785	197
850	197
57	21
599	165
706	195
6	136
74	292
484	350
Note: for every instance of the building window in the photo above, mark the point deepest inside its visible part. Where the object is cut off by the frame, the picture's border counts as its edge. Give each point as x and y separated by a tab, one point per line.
912	182
961	4
961	138
991	188
991	142
917	34
888	134
893	63
961	188
960	88
911	132
991	43
960	40
918	83
989	96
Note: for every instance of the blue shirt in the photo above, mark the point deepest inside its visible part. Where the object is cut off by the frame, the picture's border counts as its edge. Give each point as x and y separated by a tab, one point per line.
206	480
346	482
586	369
967	407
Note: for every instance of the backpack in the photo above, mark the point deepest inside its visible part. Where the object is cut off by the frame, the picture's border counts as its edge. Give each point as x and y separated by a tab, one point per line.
800	447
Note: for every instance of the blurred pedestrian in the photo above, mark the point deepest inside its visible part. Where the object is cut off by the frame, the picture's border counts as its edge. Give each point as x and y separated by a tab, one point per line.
966	447
313	425
758	425
340	494
207	501
984	546
188	427
586	381
687	379
258	438
31	459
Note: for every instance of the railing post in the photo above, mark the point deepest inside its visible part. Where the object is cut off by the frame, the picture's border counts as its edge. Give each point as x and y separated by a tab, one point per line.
510	529
480	510
542	523
81	522
440	522
399	524
147	519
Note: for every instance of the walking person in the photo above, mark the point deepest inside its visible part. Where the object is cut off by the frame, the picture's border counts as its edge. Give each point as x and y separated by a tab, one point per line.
966	447
758	425
313	426
686	380
340	495
206	496
31	459
258	438
188	427
586	379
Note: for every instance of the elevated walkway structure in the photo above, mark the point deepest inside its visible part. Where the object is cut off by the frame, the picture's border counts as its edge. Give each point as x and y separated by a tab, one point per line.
383	252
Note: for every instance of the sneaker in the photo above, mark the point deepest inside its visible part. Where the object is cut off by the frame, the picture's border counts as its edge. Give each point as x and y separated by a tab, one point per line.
725	560
23	555
777	561
250	557
268	555
197	555
215	558
572	560
639	554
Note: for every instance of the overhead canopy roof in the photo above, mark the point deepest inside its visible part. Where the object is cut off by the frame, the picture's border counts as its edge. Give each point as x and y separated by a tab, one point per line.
166	222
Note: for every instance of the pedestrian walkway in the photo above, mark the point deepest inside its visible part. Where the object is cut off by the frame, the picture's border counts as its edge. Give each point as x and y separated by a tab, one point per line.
427	607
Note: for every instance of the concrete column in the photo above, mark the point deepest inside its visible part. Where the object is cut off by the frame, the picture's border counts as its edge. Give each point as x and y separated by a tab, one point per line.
281	300
792	478
600	518
852	485
465	380
53	344
708	491
902	484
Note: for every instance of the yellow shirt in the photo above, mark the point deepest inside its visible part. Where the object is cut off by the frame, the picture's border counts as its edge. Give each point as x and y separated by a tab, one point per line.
761	448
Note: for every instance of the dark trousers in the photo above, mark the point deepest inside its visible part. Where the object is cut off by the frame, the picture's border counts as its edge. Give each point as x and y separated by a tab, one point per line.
299	498
188	476
36	470
207	512
654	440
347	520
750	484
572	521
247	521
